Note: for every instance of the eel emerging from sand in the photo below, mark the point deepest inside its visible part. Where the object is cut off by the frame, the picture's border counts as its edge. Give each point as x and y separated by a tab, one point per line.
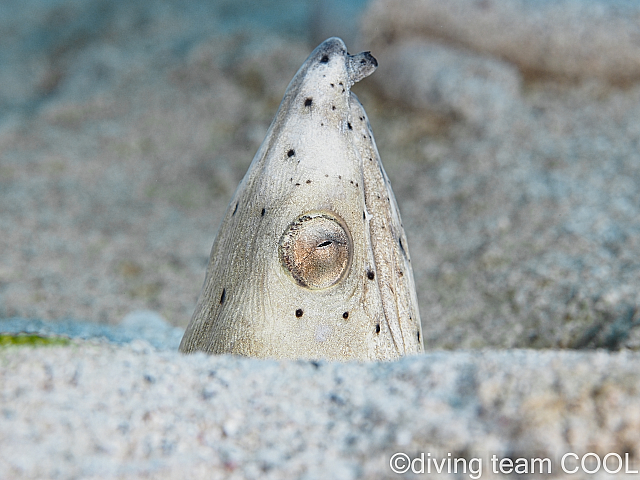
311	260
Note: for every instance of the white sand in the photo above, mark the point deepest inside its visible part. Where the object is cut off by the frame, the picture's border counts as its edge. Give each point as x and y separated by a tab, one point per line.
102	411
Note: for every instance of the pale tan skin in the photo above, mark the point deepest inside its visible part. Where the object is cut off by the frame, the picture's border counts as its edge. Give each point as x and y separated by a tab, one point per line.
311	260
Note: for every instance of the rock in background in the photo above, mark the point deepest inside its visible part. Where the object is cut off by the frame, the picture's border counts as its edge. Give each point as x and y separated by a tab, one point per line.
567	39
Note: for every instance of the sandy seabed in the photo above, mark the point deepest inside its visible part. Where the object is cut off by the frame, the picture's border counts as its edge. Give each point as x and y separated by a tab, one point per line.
514	154
97	410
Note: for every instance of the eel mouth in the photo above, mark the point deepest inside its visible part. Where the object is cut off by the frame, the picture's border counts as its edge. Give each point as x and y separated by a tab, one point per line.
360	66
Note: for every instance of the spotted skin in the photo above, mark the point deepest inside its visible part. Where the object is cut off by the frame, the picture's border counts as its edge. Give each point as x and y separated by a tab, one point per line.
278	284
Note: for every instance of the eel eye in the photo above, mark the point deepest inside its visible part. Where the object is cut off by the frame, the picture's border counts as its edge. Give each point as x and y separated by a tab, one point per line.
316	249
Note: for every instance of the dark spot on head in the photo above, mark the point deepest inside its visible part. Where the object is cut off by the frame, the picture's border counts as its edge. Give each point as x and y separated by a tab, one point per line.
224	292
370	159
340	83
308	181
345	315
291	153
370	274
324	59
308	102
332	85
377	328
364	136
400	273
340	177
361	118
235	210
299	312
333	107
263	212
326	175
356	184
378	196
363	215
351	182
321	124
297	184
349	125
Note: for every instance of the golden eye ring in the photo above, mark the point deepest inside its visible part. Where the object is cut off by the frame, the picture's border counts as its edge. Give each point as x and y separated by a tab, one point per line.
316	250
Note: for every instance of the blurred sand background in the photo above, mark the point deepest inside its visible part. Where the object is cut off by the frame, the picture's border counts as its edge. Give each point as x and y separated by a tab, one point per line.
126	126
511	135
